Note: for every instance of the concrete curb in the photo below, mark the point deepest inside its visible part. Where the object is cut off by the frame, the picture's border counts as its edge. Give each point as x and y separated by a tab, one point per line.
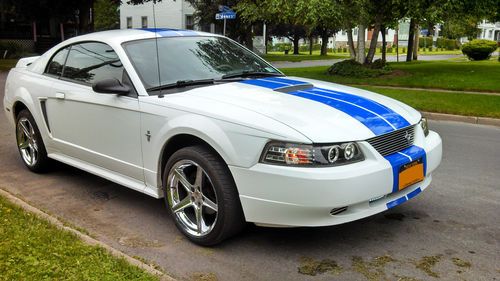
85	238
461	118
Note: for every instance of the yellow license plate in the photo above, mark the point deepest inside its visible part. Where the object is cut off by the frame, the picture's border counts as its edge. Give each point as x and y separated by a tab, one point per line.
411	173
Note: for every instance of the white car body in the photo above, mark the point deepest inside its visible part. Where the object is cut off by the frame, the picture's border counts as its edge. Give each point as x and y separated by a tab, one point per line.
123	138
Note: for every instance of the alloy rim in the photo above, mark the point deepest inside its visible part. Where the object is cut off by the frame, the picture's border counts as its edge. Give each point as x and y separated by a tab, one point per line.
26	141
192	198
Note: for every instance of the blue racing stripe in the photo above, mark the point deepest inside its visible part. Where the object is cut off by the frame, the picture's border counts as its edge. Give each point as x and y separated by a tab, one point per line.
264	83
289	82
396	202
413	193
392	117
376	124
403	157
375	116
170	32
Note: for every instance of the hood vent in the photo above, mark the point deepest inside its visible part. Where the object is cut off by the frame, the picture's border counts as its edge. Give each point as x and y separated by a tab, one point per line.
293	88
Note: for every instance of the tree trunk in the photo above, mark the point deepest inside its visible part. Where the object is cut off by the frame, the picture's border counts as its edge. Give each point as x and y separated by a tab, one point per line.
373	44
384	43
324	43
310	45
411	35
350	42
296	40
360	54
415	42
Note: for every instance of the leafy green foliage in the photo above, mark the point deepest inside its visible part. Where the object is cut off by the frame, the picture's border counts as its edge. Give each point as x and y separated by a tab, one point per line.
351	68
479	49
106	15
33	249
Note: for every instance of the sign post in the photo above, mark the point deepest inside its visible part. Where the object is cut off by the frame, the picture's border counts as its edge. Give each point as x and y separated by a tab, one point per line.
225	13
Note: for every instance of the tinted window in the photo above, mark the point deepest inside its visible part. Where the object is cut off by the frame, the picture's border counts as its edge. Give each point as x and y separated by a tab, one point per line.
91	62
191	58
55	66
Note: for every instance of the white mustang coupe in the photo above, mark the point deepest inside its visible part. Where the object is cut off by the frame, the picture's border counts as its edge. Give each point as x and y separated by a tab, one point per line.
221	134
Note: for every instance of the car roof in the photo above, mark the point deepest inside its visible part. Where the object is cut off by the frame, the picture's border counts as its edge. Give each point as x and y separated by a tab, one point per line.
118	36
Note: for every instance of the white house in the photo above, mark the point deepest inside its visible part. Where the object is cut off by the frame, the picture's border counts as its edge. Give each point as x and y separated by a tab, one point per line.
489	30
172	14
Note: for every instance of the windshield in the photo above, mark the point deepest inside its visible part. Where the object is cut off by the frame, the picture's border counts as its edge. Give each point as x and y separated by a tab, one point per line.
191	58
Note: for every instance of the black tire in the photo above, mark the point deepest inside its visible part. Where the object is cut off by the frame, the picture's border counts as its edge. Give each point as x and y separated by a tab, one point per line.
230	218
42	162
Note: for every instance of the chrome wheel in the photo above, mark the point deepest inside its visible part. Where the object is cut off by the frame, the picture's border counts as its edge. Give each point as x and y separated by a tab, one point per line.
192	198
26	141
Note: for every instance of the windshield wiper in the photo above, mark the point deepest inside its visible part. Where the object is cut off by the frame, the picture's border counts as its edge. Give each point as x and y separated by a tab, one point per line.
182	83
247	73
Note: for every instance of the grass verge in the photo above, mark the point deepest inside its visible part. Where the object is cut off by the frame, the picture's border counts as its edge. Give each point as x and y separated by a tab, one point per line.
303	57
5	65
33	249
452	75
450	103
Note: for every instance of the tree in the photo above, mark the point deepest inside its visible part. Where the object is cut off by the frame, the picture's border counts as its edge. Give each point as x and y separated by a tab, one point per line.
106	15
283	14
321	18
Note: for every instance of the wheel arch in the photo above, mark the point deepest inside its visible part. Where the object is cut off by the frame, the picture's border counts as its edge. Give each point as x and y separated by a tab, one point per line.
177	142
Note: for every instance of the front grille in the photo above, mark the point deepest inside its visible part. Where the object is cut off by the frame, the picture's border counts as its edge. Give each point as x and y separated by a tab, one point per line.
393	142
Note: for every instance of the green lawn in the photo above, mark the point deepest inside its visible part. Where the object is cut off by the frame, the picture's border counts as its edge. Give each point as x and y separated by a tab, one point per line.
5	65
450	74
280	56
275	56
451	103
33	249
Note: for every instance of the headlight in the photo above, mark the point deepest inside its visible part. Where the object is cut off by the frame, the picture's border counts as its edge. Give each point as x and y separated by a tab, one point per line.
425	127
304	155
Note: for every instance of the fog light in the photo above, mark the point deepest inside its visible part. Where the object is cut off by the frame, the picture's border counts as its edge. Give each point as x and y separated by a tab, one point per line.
349	151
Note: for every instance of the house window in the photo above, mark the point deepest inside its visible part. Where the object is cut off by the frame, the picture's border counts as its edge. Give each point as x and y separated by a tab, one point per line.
189	22
144	22
129	22
355	33
344	33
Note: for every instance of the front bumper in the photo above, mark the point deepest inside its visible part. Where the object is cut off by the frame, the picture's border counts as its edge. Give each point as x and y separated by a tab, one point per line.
291	196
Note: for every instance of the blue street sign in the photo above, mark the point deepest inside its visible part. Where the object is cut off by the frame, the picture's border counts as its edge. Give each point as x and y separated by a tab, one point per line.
226	13
225	16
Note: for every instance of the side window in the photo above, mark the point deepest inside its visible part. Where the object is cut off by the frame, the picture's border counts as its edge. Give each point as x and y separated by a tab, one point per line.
55	66
92	62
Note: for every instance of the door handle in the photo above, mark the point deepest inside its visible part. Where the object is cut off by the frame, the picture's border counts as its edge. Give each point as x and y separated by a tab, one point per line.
60	96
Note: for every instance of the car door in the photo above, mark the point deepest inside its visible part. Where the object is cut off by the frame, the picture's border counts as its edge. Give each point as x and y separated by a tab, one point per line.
100	129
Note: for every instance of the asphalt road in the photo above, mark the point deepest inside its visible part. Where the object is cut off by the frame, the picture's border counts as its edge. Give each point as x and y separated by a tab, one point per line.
449	232
392	58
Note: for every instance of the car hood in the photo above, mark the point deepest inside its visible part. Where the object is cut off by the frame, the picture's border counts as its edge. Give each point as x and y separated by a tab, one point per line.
323	112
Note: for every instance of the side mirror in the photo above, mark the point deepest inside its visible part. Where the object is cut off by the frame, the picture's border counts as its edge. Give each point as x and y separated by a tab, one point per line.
110	86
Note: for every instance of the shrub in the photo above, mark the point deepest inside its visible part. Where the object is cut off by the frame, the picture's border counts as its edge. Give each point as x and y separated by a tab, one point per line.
344	50
280	47
378	64
389	50
424	42
305	48
351	68
14	50
479	49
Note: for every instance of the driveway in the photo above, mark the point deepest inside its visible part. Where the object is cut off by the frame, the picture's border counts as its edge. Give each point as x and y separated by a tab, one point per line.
449	232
